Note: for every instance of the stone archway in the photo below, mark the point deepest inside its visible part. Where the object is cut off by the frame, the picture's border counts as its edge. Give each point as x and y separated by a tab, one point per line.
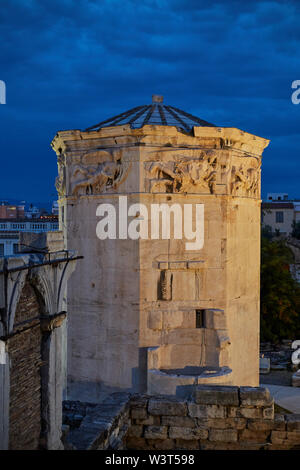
32	367
24	349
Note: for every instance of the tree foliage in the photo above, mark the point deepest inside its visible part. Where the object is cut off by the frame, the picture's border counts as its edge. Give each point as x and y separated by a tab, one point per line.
266	232
296	230
280	293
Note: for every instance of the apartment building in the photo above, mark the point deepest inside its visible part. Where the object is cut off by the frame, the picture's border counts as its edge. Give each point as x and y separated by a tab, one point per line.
10	231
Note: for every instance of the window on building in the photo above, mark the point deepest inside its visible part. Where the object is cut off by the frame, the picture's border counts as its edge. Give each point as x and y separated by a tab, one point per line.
16	248
279	217
200	318
1	249
18	226
285	197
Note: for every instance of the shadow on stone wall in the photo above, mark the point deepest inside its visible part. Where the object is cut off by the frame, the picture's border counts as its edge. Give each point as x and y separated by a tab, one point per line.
215	418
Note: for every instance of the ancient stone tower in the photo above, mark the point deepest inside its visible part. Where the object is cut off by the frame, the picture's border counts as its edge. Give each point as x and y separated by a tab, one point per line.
160	312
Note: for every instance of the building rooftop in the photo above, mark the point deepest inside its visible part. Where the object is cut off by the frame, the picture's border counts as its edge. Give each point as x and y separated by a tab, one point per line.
277	205
34	220
155	113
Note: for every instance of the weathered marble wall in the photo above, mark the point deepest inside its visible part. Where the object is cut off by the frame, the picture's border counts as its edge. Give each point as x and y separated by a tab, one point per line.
129	295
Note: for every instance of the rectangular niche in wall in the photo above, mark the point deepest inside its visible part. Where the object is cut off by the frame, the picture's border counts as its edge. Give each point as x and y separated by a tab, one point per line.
200	318
164	287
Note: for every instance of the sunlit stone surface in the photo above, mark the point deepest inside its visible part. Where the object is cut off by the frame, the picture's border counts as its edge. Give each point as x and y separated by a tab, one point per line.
139	307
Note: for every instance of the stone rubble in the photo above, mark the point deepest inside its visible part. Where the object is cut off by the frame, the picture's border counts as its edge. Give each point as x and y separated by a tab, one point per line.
276	357
215	418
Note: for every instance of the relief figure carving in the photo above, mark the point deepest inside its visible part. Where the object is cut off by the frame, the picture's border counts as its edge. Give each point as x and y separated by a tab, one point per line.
245	178
186	176
60	181
97	173
203	174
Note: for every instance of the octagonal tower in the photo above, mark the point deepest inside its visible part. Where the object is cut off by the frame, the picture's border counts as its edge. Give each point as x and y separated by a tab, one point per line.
160	311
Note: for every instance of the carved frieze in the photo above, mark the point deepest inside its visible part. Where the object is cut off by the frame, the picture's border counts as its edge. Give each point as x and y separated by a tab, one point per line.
182	177
245	178
60	182
98	172
201	175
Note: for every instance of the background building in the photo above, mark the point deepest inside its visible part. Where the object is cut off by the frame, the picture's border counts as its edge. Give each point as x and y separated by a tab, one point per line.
55	208
11	211
280	213
14	219
279	216
277	197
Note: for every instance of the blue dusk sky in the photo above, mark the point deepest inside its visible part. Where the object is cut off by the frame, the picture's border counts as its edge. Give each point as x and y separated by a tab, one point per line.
69	64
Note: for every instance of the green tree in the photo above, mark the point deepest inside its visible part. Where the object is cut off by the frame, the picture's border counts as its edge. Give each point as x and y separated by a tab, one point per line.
266	232
296	230
280	293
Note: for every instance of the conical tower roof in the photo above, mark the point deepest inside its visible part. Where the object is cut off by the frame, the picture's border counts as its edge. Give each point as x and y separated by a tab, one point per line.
155	113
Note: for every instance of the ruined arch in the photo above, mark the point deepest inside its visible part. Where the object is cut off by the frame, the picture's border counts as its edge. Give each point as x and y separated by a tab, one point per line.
37	283
24	347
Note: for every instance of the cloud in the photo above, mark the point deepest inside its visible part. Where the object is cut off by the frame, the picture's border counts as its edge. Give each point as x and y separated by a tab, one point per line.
71	63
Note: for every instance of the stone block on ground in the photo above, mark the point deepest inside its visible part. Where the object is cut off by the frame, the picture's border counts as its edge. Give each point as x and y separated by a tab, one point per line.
252	413
135	430
156	432
216	395
268	413
206	411
139	413
139	401
181	444
293	422
254	396
260	437
219	423
279	423
278	437
187	433
171	407
183	421
148	421
223	435
260	424
136	443
294	437
162	444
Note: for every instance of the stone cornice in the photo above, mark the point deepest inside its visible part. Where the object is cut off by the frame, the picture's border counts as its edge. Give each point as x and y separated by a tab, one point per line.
225	137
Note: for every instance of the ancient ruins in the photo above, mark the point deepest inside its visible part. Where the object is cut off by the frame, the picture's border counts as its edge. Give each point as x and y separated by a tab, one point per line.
152	341
32	342
148	315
